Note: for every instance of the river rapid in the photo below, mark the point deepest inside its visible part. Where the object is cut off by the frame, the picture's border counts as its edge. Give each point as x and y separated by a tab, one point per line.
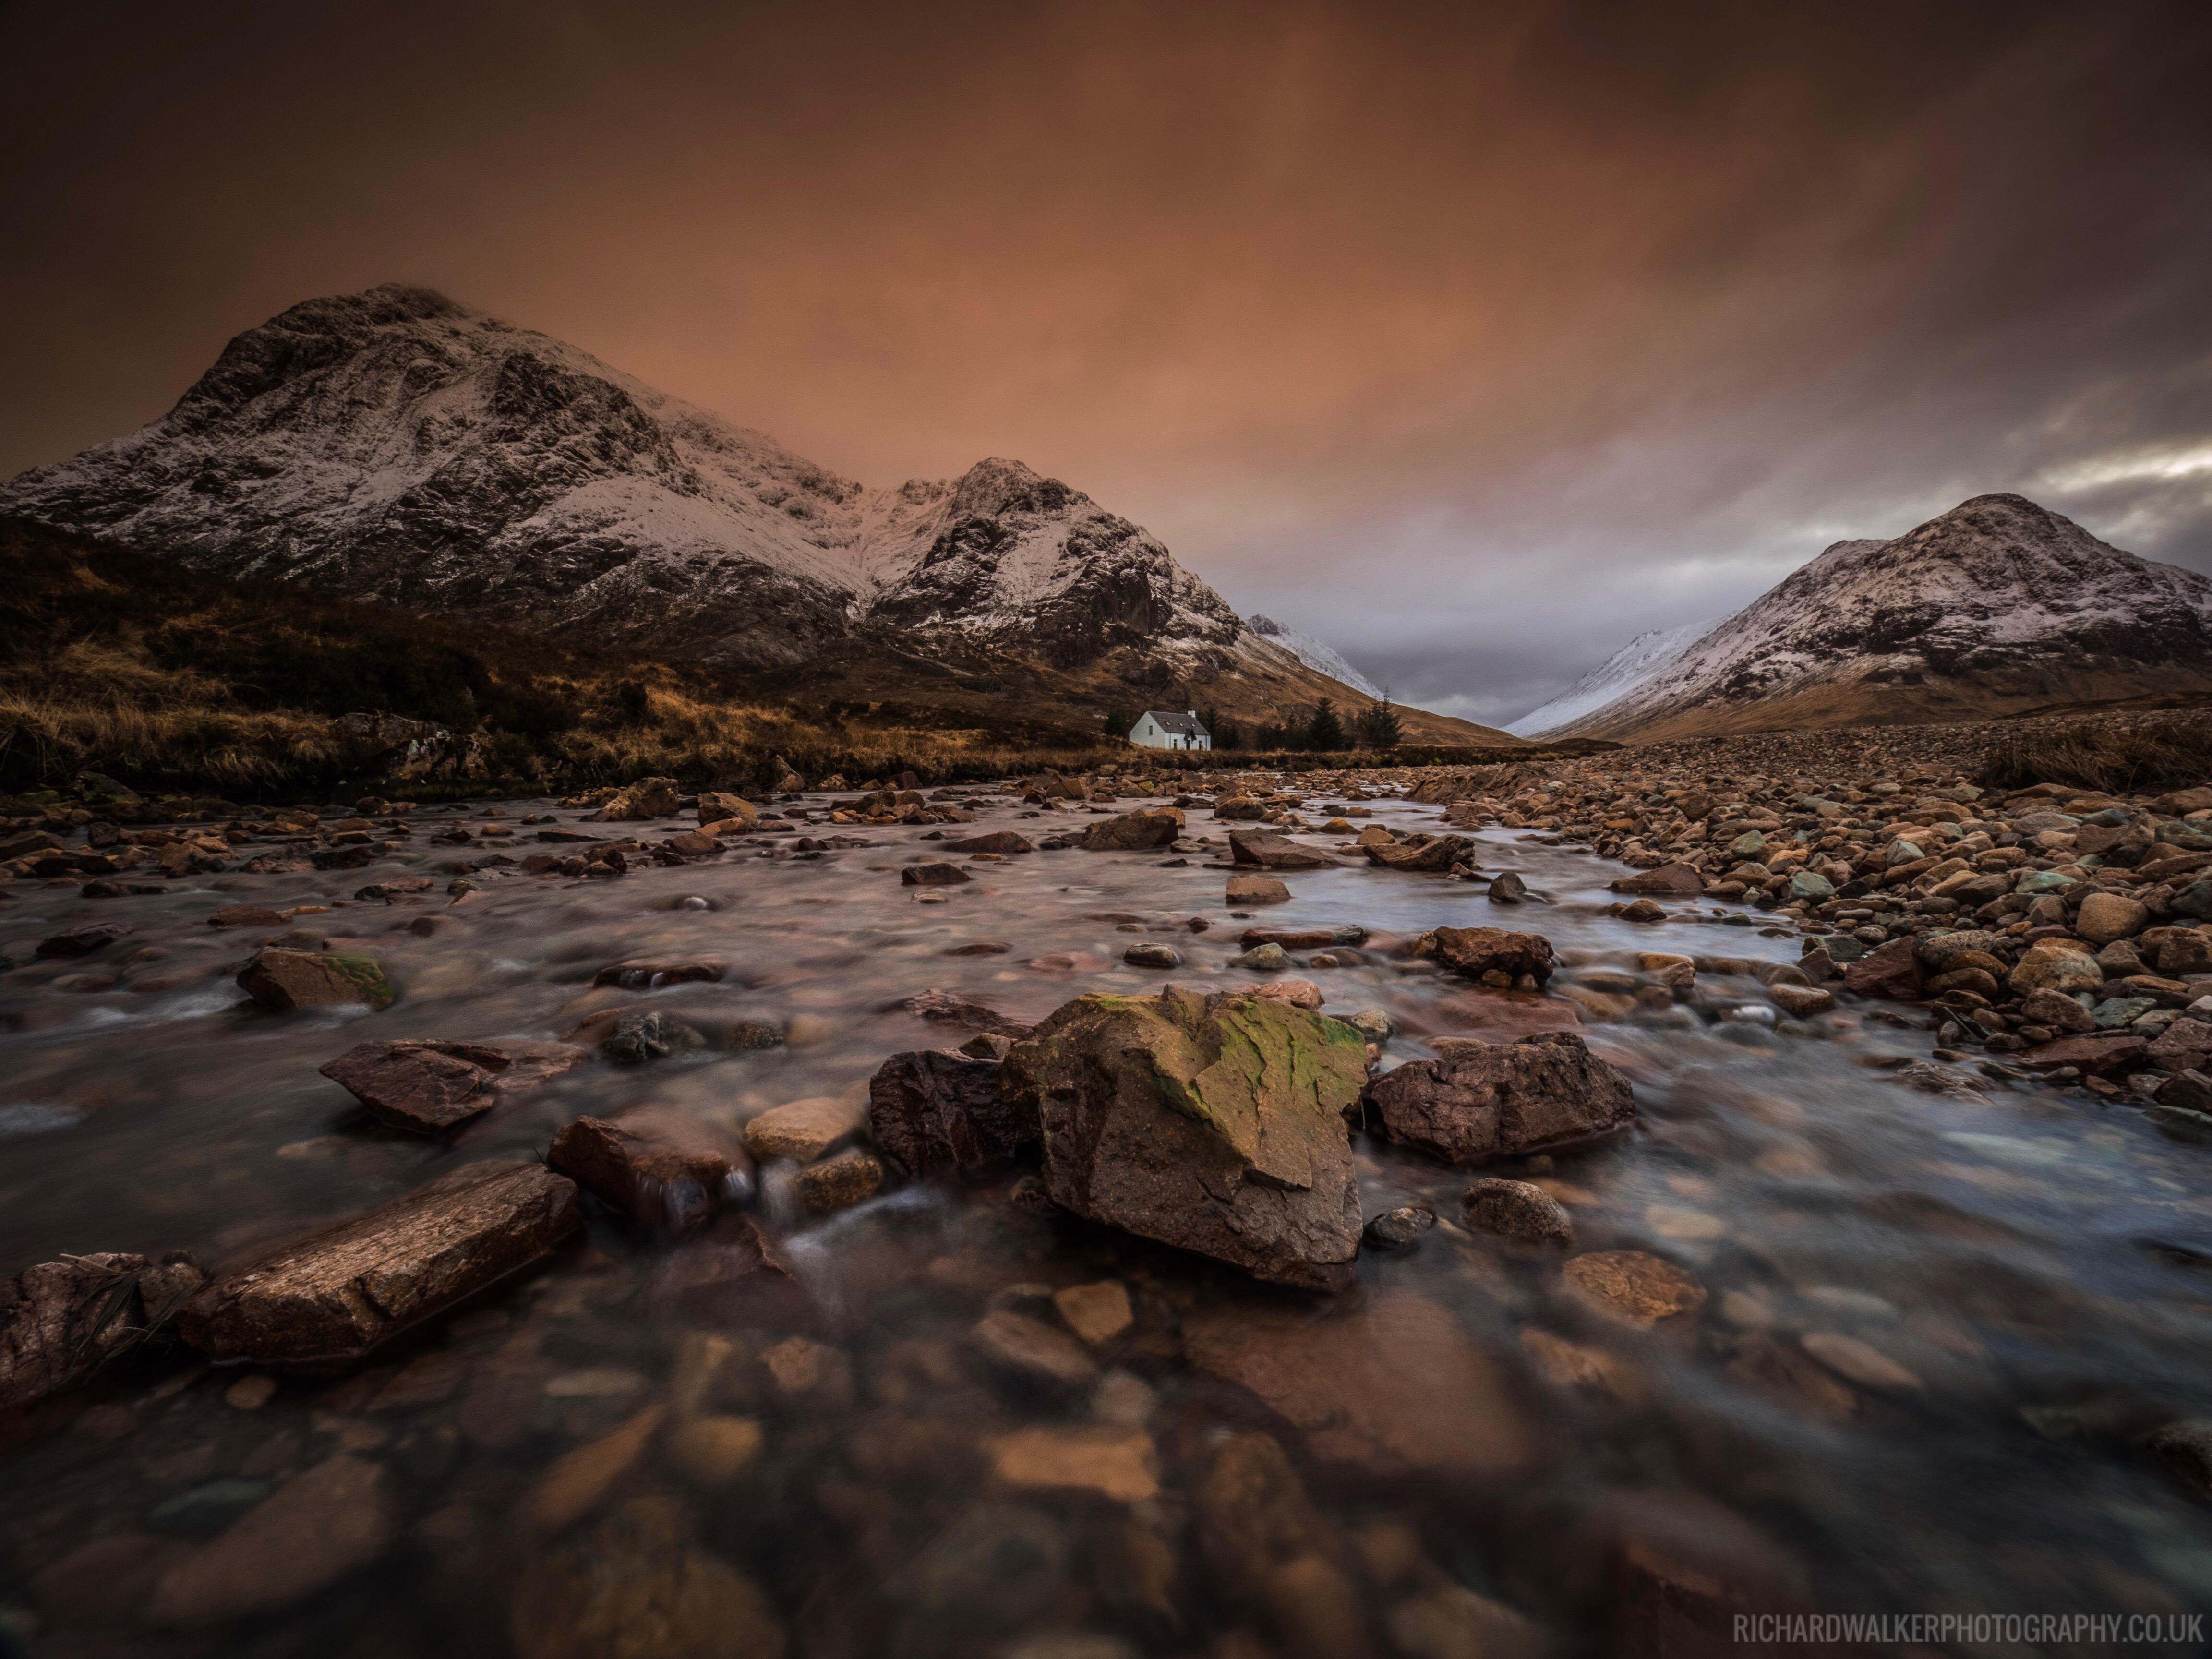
1939	1320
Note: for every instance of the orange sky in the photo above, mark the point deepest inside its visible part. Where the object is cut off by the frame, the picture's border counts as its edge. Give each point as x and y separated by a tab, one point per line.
1472	337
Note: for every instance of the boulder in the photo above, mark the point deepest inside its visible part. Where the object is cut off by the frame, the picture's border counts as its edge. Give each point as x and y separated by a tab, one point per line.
59	1319
661	1166
1390	1387
83	941
1507	887
1256	889
804	1129
2057	1010
1516	1209
648	798
1265	850
333	1298
2055	965
1132	832
1477	952
716	806
932	1110
997	841
429	1085
1484	1100
1212	1123
1667	881
1893	971
1425	852
315	1530
280	979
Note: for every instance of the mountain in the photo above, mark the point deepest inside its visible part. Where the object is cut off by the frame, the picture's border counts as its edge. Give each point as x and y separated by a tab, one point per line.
1321	658
398	448
1997	607
1644	657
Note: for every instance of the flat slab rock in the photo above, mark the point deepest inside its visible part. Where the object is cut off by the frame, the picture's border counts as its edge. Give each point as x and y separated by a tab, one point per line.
330	1298
1388	1388
1484	1100
657	1164
429	1084
1215	1124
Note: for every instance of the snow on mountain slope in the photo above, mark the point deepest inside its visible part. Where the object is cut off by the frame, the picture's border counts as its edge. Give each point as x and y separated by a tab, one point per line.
1323	658
1996	606
397	448
1643	658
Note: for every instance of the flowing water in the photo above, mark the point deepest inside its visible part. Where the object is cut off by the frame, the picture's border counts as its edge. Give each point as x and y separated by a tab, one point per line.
2009	1285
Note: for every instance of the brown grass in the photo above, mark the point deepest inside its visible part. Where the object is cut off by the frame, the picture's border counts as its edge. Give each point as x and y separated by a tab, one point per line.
2170	754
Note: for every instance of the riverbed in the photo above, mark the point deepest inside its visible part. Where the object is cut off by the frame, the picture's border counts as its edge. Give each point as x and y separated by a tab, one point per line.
1939	1319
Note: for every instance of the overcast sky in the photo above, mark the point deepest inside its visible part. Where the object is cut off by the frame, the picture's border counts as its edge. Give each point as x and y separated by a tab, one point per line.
1474	338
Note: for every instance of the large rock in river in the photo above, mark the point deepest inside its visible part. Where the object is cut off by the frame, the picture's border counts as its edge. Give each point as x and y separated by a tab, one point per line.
277	978
1212	1123
1134	832
426	1085
933	1110
1483	1100
662	1166
1264	849
1476	952
336	1295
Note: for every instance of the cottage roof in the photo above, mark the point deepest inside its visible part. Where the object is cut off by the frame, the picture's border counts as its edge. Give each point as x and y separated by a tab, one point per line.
1176	721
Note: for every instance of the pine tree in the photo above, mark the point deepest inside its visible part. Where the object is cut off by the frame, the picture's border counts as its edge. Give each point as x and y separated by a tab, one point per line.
1380	726
1118	723
1326	732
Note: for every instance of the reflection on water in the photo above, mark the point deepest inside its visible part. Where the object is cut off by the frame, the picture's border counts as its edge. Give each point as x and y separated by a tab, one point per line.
1939	1321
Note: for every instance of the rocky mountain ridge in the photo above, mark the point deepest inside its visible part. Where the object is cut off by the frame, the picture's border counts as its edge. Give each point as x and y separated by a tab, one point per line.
1997	607
397	448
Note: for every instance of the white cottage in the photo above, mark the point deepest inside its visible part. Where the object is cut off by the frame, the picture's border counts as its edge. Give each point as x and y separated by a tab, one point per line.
1156	730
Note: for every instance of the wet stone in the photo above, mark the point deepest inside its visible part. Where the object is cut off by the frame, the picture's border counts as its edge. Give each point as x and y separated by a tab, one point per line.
838	1182
661	1166
1635	1285
1394	1230
314	1532
1518	1209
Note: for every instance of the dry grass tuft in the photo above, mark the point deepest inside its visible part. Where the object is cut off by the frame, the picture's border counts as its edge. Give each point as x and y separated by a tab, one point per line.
2160	754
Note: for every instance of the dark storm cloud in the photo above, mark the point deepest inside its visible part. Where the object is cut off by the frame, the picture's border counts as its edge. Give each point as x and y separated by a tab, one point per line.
1473	340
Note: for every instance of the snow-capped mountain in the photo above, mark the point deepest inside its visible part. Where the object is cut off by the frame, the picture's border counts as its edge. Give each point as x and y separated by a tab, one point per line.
1997	606
1321	658
397	448
1643	658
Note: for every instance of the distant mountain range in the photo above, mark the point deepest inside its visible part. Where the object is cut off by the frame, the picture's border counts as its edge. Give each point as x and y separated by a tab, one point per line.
1997	607
396	447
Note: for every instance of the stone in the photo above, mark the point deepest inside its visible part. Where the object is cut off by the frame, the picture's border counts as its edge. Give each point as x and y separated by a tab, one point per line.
1389	1386
1516	1209
804	1129
1298	992
1476	952
1419	854
283	979
837	1184
248	916
647	976
1263	959
930	1110
1860	1362
658	1165
1643	910
933	875
2095	1054
316	1531
2104	917
429	1085
1133	832
1504	1016
1484	1100
2057	1010
1033	1351
1212	1123
1097	1312
636	1587
83	941
1892	971
578	1481
1257	890
1812	887
640	1035
1395	1229
342	1293
1001	842
1803	1001
713	1450
2054	965
1102	1461
648	798
2182	1047
1507	887
949	1008
717	806
59	1319
2186	1447
1667	881
1152	956
1634	1285
1265	850
809	1375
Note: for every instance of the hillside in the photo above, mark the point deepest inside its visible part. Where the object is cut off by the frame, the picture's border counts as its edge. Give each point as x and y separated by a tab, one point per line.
396	448
1997	607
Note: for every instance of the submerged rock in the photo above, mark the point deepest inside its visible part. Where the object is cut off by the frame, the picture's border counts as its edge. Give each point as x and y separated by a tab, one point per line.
329	1298
932	1110
1484	1100
1518	1209
427	1084
662	1166
636	1586
1212	1123
323	1526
